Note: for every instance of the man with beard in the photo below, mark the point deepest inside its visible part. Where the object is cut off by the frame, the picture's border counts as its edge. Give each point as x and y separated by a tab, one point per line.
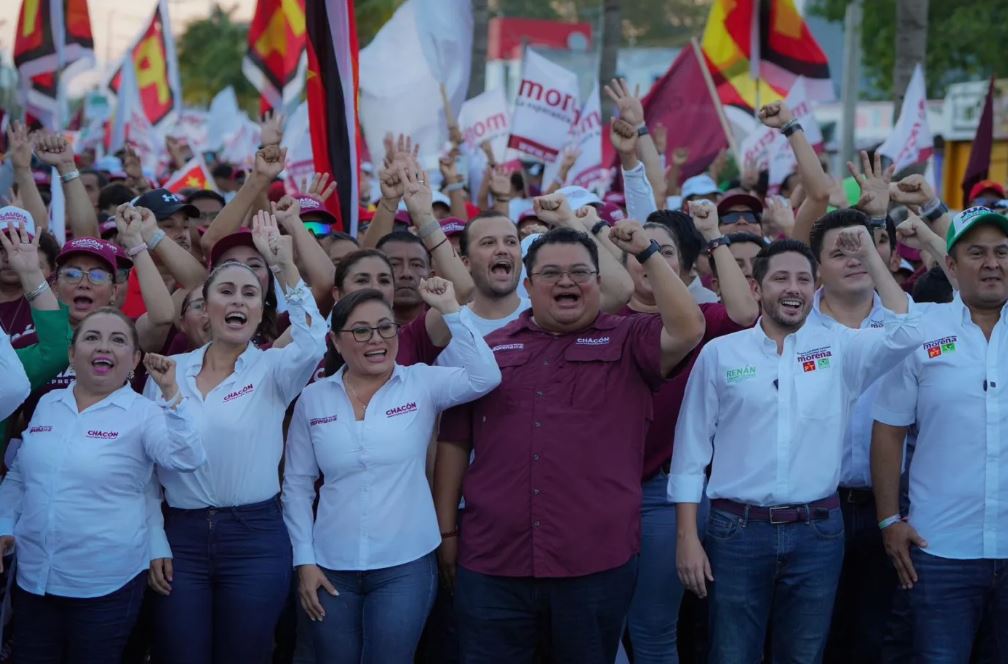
767	408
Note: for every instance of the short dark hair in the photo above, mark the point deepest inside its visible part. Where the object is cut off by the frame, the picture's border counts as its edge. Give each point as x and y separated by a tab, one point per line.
114	195
932	286
561	236
844	218
340	314
340	236
464	236
741	238
688	240
761	264
102	179
405	237
110	311
352	259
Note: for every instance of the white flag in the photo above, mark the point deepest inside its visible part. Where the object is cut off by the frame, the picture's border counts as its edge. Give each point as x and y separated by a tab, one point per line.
587	171
484	118
545	108
910	141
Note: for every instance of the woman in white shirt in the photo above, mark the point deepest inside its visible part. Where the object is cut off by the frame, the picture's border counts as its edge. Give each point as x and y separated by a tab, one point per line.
366	565
14	388
74	498
223	561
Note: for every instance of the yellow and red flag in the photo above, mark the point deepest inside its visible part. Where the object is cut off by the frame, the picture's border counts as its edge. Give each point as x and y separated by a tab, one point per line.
155	66
275	62
194	174
756	50
51	36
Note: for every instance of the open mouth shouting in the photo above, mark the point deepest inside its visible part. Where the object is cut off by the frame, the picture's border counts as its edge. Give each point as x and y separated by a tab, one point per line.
376	356
568	299
502	269
101	365
235	320
83	303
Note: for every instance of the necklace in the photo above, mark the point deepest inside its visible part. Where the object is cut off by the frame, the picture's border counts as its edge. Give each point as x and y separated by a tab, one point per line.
353	393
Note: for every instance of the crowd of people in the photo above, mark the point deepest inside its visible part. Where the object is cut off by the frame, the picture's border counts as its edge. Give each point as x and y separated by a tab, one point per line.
513	424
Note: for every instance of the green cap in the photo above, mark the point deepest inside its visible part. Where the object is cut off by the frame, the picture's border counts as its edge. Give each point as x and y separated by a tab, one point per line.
969	218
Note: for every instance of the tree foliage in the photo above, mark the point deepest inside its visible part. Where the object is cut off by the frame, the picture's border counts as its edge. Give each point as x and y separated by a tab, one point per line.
210	53
965	40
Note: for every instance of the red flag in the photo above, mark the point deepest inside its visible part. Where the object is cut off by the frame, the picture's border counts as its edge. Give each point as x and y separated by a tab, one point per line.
980	152
153	59
331	84
275	62
193	175
681	100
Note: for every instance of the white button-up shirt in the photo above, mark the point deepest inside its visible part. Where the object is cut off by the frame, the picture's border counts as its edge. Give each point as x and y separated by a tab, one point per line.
375	509
775	423
855	464
241	420
75	496
955	387
14	387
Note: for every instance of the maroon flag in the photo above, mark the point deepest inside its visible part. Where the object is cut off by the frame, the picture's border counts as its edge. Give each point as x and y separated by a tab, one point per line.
980	153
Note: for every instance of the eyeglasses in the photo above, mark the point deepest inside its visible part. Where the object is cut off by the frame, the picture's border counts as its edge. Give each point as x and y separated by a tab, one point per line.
739	218
96	276
363	333
197	305
579	275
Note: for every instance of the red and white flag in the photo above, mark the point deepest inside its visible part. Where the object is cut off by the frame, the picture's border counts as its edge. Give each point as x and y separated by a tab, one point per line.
485	117
911	141
586	137
545	108
193	175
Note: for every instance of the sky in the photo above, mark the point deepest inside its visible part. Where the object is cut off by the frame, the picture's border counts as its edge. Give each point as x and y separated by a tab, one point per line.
116	23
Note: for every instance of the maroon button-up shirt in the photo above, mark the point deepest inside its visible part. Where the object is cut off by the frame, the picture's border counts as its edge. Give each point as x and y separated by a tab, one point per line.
554	490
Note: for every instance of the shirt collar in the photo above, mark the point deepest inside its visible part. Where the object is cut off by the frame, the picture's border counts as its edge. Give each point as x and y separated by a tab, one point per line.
123	398
602	321
398	374
196	359
875	313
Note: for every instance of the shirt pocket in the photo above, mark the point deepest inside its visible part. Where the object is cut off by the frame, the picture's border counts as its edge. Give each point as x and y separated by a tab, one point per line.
592	375
518	384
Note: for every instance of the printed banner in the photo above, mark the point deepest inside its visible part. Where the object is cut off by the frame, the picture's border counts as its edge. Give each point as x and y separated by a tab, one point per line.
545	108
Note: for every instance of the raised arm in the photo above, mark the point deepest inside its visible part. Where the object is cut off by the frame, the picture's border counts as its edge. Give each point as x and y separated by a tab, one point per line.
738	299
499	180
682	320
454	185
319	270
916	234
914	190
392	186
152	326
19	151
632	111
179	263
269	161
570	157
54	150
170	437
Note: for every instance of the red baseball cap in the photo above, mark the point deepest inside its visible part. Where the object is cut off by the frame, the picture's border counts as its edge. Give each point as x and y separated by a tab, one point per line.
610	212
313	205
241	238
452	226
986	185
739	197
101	249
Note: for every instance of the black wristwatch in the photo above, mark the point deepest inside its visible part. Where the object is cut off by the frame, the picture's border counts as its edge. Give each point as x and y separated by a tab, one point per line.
791	128
935	214
648	253
597	228
722	241
642	130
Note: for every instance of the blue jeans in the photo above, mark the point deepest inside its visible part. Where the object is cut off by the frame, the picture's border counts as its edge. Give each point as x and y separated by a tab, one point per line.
508	620
654	609
784	576
378	615
50	628
948	602
232	574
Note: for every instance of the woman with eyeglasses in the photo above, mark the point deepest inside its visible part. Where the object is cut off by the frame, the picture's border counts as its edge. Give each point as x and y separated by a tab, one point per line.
366	566
222	563
74	501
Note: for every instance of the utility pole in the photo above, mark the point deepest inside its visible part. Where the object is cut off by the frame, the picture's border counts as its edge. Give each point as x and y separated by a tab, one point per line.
851	77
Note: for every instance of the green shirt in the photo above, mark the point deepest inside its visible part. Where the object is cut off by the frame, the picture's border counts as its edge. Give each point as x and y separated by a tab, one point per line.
45	359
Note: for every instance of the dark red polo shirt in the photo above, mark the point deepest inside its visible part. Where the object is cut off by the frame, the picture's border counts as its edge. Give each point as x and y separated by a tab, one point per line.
668	400
554	490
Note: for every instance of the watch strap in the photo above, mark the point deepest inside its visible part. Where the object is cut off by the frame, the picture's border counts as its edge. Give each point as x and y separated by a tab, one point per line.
722	241
653	249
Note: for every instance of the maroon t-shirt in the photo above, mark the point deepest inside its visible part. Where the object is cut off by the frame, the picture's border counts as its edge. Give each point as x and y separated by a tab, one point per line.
554	489
668	400
16	321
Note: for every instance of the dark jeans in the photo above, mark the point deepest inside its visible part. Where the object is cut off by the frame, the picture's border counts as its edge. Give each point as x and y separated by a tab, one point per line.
948	602
576	619
54	629
378	615
781	576
867	584
232	574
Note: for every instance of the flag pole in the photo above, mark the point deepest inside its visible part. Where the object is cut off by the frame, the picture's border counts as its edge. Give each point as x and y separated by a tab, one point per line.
714	98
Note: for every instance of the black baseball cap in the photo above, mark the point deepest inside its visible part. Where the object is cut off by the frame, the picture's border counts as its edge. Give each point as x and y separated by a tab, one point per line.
164	204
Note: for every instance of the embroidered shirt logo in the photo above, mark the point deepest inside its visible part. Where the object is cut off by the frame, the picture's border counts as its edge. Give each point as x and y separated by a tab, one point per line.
508	347
817	358
592	341
315	421
875	324
42	428
239	393
939	347
401	410
738	375
102	435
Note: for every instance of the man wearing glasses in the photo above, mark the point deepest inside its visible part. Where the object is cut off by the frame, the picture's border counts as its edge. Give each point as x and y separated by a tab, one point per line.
739	212
549	537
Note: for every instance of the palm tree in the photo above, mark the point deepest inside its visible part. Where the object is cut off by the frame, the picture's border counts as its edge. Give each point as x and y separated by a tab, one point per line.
477	71
911	45
611	36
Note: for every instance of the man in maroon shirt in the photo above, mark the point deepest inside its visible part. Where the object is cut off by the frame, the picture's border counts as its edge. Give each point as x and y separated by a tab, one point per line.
547	548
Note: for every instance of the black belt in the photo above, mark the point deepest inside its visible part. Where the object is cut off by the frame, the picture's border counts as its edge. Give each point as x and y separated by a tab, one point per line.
779	514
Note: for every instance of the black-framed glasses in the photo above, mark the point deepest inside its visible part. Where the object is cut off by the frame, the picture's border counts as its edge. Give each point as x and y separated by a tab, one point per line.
363	333
579	275
745	217
95	275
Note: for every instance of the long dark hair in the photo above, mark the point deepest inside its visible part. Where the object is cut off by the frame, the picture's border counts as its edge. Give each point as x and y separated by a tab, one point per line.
340	314
266	332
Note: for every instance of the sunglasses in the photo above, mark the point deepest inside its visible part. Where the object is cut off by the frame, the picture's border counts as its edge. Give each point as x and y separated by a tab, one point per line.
317	228
739	218
96	276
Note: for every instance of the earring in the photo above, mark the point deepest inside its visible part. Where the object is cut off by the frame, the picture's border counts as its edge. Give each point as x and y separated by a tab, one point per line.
130	376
